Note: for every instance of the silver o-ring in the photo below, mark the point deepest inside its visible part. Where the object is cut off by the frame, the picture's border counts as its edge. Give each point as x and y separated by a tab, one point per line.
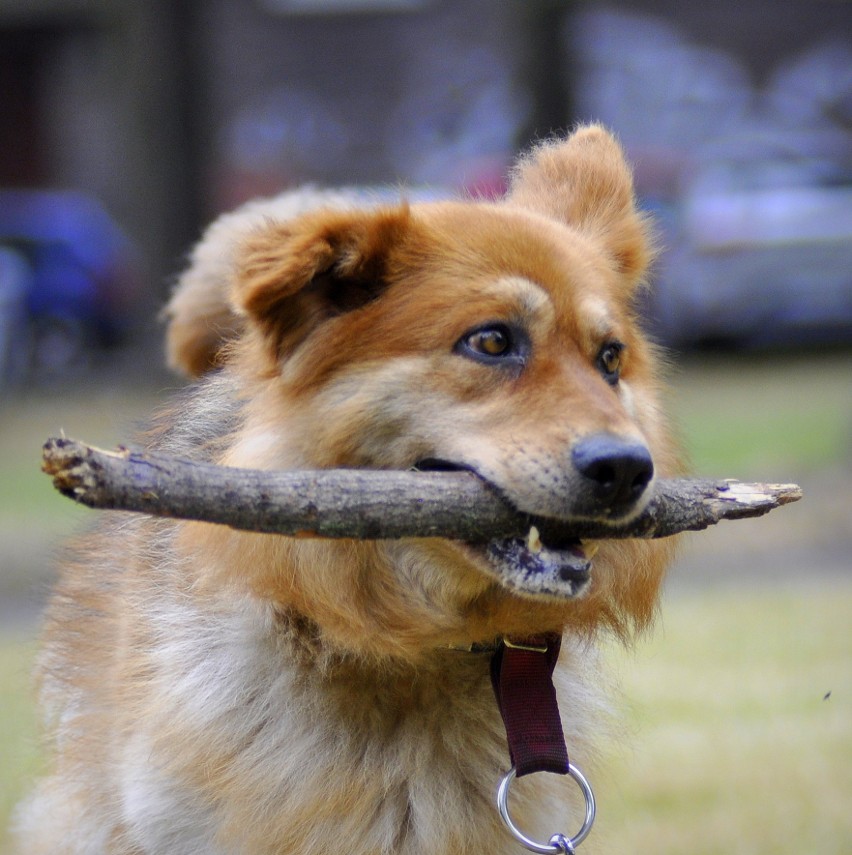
534	845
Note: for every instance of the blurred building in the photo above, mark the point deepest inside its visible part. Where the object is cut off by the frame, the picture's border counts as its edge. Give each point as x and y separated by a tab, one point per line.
166	113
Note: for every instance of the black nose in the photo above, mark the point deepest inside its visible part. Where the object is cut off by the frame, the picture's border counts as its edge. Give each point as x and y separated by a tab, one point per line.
619	470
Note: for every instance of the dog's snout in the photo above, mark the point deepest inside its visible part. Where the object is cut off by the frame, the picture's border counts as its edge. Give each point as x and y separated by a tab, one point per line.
619	470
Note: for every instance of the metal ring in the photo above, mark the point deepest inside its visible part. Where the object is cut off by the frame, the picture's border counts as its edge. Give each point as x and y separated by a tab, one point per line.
568	843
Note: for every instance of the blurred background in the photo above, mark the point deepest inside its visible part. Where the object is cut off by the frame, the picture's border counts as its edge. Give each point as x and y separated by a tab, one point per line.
127	125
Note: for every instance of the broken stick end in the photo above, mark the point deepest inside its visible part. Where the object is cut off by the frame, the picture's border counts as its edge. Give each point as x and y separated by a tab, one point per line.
788	493
69	464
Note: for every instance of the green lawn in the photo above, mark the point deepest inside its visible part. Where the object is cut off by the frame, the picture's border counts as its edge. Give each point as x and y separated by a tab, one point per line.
765	417
18	747
739	747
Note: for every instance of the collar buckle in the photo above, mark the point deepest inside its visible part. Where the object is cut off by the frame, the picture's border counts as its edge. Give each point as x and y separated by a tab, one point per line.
532	645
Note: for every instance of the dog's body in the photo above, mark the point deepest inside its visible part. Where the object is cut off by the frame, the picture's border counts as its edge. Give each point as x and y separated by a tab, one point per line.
214	691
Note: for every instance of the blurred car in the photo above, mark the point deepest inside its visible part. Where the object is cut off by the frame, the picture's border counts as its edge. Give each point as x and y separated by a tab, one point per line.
749	175
15	286
756	265
68	281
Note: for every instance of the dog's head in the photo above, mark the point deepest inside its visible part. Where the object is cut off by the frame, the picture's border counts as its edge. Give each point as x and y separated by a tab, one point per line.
494	337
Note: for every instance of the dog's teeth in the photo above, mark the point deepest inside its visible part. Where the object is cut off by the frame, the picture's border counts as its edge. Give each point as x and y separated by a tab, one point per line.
589	547
534	540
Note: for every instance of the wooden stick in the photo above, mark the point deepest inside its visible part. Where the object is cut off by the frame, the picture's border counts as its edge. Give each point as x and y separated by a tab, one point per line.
370	504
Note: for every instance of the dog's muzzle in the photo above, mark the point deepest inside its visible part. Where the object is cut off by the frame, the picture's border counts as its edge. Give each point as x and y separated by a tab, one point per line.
610	479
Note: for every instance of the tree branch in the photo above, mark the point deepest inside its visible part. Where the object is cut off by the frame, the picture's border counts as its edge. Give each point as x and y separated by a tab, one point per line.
370	504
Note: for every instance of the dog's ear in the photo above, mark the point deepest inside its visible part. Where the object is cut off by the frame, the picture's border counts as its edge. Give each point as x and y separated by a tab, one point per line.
291	276
585	182
200	321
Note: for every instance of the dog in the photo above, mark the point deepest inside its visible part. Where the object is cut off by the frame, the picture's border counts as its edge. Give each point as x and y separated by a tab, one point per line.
207	690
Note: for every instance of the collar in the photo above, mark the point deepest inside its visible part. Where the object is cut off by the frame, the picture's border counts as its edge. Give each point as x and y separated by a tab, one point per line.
535	644
522	678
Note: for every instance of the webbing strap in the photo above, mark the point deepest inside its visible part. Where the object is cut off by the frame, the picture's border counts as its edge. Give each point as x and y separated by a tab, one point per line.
522	676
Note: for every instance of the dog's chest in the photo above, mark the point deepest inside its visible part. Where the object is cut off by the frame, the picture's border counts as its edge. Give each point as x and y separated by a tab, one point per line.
253	752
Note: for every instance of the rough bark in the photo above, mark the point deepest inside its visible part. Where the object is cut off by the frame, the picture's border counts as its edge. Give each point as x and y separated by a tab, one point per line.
371	504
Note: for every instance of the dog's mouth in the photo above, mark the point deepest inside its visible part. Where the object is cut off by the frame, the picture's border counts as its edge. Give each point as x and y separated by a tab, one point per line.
531	566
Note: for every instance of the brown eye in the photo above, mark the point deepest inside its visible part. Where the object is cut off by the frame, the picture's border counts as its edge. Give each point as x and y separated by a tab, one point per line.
493	341
496	344
609	361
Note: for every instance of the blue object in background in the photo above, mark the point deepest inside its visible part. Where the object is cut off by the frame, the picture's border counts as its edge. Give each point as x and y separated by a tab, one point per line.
68	280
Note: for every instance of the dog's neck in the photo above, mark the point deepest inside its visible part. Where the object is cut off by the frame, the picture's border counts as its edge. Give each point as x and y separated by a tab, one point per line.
310	648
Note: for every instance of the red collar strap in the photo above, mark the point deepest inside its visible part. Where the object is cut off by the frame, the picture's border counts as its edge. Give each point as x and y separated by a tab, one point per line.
522	676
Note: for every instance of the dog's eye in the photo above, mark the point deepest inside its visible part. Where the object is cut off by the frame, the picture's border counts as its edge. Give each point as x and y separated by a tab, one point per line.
609	361
494	343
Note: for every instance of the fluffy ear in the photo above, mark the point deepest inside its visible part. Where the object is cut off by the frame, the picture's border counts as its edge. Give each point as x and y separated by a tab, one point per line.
292	276
200	318
200	322
585	181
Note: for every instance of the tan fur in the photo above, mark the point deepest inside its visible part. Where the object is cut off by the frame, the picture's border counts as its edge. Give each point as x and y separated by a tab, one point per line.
214	691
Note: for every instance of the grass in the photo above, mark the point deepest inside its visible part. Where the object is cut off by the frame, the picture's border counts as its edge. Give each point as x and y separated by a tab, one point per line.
33	516
740	746
19	757
100	416
735	748
768	418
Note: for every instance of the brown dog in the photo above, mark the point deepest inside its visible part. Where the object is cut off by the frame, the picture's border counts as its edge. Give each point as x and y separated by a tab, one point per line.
215	691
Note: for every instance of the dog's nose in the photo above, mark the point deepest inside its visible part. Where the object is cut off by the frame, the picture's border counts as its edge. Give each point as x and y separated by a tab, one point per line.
619	470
